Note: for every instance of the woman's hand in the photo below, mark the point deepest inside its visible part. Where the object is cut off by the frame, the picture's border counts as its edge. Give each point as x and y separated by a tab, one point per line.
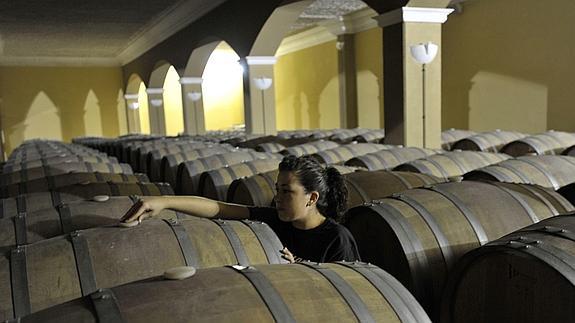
287	255
144	208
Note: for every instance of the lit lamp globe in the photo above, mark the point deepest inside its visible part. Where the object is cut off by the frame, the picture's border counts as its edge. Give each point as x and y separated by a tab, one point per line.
263	83
156	102
134	106
195	96
424	53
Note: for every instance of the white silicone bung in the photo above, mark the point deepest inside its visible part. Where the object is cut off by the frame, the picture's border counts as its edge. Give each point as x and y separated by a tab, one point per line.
128	224
179	273
101	198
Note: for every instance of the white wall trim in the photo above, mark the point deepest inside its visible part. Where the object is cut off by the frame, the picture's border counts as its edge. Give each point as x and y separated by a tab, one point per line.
413	14
261	60
131	96
171	21
152	90
191	80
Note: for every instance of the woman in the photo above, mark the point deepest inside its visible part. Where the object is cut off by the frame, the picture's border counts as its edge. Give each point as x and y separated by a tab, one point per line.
309	201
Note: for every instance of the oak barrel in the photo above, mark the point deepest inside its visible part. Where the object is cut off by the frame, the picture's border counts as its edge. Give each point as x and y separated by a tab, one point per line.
548	143
303	292
36	201
57	160
60	269
342	154
390	158
449	137
453	163
490	141
548	171
309	148
419	234
525	277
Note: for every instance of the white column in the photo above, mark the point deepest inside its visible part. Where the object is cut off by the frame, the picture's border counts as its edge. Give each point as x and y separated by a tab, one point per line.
156	111
133	113
259	101
192	100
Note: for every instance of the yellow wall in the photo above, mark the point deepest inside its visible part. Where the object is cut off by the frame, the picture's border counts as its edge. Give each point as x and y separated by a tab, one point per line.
222	89
60	103
509	64
369	65
173	111
307	88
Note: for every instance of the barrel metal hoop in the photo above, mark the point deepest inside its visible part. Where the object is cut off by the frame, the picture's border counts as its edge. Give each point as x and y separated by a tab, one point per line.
24	174
19	282
457	163
56	198
114	189
21	229
543	199
254	190
221	159
144	189
401	179
422	167
188	250
517	197
545	172
65	217
234	241
270	182
364	196
83	263
495	172
106	306
111	168
395	294
460	205
554	231
266	238
51	182
220	187
252	167
515	171
441	239
352	299
21	204
22	188
411	244
395	154
270	296
2	208
89	167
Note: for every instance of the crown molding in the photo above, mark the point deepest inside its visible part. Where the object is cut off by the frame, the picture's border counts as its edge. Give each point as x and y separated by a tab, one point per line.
358	21
42	61
165	25
413	14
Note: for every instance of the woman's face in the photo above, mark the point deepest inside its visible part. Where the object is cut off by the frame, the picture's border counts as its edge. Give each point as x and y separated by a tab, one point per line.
291	198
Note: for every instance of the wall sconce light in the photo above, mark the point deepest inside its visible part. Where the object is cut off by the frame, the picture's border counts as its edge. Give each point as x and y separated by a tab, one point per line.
134	106
423	53
156	102
194	96
263	83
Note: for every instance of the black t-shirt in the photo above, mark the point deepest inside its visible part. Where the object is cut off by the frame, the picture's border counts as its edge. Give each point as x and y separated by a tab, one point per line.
328	242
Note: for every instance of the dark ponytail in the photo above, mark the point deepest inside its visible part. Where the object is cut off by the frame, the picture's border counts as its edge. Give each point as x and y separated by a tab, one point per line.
328	182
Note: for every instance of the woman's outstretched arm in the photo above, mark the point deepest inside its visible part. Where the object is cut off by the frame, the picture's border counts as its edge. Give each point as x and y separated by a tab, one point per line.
193	205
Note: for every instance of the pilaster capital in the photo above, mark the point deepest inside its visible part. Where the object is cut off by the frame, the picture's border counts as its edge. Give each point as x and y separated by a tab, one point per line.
187	80
261	60
413	14
152	90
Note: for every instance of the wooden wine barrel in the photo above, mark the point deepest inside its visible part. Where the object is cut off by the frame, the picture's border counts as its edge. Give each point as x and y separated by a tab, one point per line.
524	277
26	228
342	292
548	171
569	151
15	160
150	159
345	136
309	148
373	136
363	186
188	178
419	234
67	267
488	141
167	169
214	184
452	164
548	143
390	158
270	147
28	174
449	137
36	201
342	154
58	160
55	182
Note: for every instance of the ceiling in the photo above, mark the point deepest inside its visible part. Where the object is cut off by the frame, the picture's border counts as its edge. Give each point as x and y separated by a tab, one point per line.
110	31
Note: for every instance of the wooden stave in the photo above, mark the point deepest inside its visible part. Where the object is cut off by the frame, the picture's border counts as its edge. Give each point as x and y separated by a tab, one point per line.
342	154
189	173
541	253
487	141
43	200
396	234
376	160
120	255
388	302
54	182
214	184
39	172
309	148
